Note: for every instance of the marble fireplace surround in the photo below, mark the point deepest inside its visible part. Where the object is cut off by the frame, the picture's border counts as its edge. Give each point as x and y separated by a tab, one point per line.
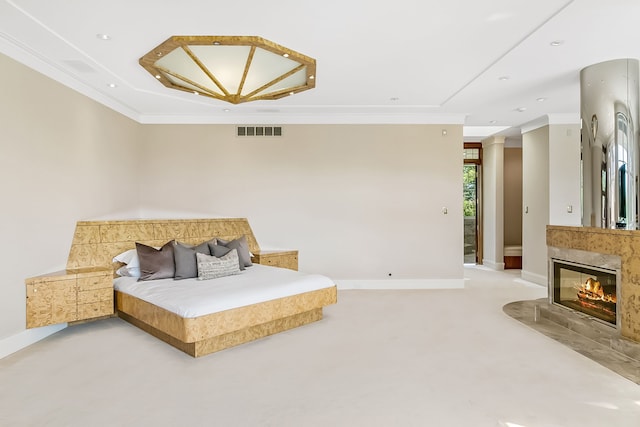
624	244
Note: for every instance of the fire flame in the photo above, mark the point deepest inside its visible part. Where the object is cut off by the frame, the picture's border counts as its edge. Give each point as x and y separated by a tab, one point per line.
592	289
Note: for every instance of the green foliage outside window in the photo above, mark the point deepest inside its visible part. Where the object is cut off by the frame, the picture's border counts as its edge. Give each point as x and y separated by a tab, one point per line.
469	191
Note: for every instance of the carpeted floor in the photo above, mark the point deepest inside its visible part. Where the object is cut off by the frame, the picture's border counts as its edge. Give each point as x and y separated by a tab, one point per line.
378	358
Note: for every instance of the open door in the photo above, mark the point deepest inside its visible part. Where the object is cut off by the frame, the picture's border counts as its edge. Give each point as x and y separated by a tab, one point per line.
471	190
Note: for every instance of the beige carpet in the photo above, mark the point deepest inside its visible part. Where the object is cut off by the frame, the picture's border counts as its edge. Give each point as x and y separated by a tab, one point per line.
378	358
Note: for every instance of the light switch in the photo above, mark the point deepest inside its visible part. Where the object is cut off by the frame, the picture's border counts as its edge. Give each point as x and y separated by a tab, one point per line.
570	209
445	211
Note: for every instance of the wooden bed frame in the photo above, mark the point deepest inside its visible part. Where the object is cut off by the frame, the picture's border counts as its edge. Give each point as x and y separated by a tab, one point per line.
95	243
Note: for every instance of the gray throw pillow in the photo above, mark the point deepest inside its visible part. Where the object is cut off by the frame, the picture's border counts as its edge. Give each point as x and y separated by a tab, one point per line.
242	247
220	251
185	258
156	263
211	267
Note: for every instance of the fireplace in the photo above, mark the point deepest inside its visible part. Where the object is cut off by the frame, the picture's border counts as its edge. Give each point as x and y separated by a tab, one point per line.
589	289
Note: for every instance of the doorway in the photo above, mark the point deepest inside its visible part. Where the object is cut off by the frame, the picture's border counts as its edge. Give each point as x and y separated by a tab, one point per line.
471	190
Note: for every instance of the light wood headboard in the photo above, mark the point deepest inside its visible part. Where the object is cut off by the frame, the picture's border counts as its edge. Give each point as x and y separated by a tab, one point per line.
95	243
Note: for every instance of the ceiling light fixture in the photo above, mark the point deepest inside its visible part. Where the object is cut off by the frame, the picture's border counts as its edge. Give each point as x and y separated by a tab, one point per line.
235	69
541	99
112	85
103	36
503	78
521	109
556	43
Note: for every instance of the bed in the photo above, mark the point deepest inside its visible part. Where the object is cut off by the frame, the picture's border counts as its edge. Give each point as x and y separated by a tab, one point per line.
261	301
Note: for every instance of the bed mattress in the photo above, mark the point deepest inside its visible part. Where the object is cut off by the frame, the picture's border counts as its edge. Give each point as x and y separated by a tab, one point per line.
190	298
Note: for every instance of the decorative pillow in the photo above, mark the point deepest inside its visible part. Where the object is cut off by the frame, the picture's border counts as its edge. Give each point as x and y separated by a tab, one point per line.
211	267
129	257
242	247
185	258
156	263
220	251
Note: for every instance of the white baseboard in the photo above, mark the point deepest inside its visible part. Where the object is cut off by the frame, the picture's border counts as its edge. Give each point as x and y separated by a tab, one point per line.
498	266
533	277
401	284
25	338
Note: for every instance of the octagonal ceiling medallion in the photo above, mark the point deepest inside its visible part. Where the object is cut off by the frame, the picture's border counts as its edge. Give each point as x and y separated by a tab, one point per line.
235	69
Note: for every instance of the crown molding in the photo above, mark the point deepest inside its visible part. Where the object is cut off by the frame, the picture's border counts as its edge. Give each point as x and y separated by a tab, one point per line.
326	117
550	119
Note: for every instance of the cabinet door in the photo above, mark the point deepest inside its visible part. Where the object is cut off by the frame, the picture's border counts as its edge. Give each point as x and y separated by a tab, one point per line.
96	309
95	296
51	302
283	260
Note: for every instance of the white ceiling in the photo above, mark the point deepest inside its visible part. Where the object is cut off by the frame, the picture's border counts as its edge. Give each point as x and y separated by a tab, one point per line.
405	61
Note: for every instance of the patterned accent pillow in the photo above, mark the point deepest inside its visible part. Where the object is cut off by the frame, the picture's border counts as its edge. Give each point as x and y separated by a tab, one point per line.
210	267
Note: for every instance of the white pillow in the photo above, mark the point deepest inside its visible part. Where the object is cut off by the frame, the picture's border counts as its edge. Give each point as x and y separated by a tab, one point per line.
210	267
129	257
125	271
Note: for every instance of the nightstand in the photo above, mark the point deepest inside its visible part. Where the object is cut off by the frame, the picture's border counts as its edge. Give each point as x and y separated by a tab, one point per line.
283	259
69	296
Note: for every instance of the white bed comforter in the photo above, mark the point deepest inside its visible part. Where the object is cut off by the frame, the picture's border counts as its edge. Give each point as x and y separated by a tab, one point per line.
193	298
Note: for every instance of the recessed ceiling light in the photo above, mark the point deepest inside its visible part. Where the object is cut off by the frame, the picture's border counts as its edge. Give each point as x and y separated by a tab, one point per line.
492	122
286	55
103	36
226	110
556	43
195	92
312	77
394	98
112	85
541	99
521	109
503	78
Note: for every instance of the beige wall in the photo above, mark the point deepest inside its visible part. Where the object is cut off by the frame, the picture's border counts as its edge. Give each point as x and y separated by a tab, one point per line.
513	196
535	195
564	173
551	154
493	202
64	158
358	201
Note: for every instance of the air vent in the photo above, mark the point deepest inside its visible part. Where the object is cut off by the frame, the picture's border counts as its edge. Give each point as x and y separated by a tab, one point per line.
259	131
